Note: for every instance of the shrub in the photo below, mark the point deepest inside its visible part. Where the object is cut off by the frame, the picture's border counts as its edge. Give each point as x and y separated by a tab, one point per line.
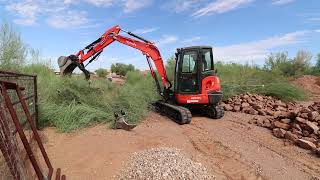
122	69
280	63
69	103
13	51
102	73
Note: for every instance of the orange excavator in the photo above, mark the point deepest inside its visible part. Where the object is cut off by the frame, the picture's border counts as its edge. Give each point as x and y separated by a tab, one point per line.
195	84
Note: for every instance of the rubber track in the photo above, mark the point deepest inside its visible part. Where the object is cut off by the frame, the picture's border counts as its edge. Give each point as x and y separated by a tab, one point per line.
179	114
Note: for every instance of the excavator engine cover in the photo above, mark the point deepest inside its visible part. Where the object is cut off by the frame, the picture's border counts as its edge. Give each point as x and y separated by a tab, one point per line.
66	65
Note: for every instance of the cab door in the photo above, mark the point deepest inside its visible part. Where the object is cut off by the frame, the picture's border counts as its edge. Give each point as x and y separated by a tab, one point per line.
187	72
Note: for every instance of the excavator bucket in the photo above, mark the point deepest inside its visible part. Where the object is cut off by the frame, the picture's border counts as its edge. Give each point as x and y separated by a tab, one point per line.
66	65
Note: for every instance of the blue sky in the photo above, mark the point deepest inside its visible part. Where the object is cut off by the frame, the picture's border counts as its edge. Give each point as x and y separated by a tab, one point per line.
239	30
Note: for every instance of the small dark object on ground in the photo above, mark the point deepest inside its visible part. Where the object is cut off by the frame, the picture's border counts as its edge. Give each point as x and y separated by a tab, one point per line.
120	122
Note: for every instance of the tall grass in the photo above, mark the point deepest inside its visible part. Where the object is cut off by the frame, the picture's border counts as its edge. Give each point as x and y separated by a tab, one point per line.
70	103
237	79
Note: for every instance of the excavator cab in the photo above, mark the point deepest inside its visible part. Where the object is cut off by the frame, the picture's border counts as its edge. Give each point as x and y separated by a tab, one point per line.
196	82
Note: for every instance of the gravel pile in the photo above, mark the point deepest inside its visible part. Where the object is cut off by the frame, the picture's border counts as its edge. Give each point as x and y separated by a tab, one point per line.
163	163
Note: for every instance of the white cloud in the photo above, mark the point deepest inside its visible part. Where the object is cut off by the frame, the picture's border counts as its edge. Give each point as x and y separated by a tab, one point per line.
167	39
221	6
100	3
192	40
181	5
68	20
27	12
133	5
314	19
145	30
258	50
281	2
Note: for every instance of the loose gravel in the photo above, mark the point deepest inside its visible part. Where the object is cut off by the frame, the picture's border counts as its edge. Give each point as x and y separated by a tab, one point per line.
164	163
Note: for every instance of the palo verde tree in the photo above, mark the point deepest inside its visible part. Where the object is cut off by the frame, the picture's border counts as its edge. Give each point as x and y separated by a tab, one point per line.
13	51
122	69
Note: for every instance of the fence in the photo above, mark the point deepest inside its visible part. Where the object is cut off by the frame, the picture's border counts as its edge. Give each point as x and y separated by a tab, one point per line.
14	163
29	82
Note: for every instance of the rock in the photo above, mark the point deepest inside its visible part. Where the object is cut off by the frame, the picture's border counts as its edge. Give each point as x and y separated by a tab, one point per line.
280	104
286	121
281	125
290	136
253	112
266	123
305	110
236	108
280	108
279	133
297	126
228	107
244	105
260	122
300	120
297	132
306	144
305	133
313	115
312	127
304	115
283	115
262	112
317	151
269	112
259	98
256	106
310	139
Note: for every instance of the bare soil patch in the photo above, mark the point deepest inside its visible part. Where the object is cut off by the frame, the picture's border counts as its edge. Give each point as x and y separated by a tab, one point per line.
229	148
310	84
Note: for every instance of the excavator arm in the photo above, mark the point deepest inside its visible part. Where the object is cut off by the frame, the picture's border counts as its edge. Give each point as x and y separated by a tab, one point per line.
93	50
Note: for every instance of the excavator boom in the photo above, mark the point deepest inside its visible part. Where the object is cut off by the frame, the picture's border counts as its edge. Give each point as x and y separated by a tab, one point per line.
93	50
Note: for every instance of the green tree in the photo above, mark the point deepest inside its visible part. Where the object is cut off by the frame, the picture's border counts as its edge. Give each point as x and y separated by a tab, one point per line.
170	67
122	69
13	51
301	63
318	62
102	73
277	62
280	63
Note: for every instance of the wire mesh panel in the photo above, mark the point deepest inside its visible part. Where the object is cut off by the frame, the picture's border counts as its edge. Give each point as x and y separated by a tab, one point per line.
14	163
29	82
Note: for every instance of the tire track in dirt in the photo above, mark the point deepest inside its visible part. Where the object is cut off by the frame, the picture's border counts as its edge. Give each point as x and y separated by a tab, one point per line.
310	166
230	163
257	147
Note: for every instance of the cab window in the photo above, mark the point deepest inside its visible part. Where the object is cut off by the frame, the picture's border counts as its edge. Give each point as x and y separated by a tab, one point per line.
189	64
207	61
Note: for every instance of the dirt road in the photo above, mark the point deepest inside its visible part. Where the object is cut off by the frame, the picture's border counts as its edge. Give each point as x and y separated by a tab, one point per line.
231	148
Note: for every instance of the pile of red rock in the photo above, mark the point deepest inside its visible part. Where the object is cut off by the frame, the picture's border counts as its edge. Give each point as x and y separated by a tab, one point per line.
295	123
256	104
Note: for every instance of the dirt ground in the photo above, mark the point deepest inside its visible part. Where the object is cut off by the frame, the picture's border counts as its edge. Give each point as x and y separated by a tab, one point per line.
231	149
311	84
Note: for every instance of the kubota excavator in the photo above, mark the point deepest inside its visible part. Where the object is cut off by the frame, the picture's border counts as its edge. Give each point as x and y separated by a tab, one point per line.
196	84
